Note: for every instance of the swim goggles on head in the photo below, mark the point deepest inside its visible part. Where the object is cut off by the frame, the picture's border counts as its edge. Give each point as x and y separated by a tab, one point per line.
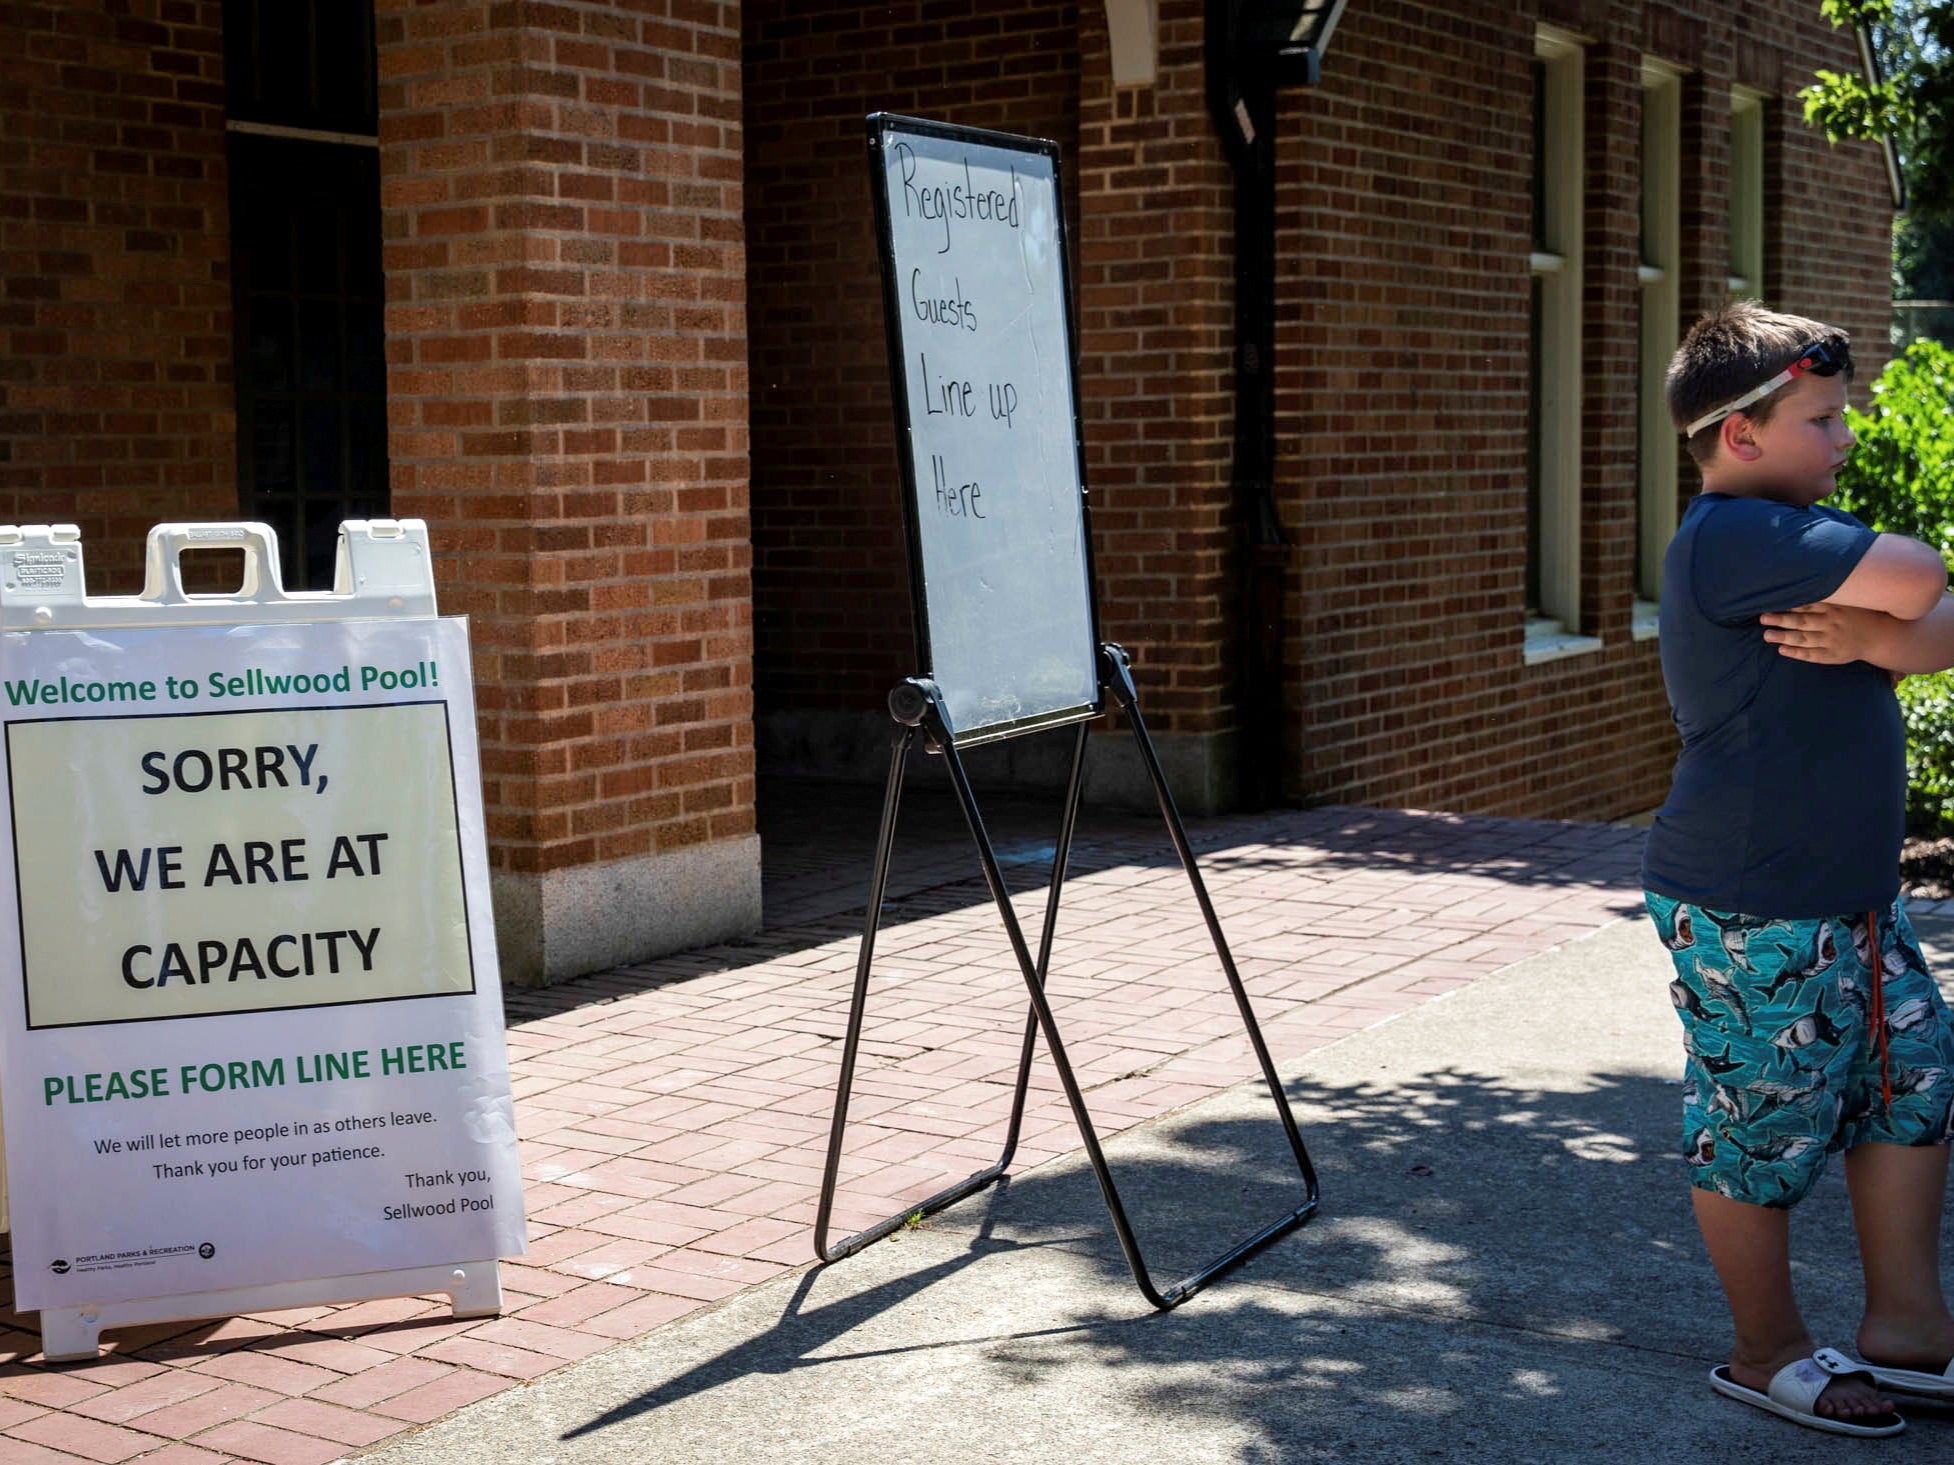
1821	358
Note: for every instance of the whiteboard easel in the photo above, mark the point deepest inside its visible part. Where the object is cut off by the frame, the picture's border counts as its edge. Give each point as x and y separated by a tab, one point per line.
978	313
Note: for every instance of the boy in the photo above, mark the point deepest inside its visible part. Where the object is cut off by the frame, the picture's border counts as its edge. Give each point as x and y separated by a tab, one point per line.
1810	1022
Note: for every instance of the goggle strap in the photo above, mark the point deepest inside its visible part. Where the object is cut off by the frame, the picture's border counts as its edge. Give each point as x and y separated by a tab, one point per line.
1790	374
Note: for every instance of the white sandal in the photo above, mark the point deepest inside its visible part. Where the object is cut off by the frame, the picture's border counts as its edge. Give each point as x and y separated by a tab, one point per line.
1915	1381
1794	1392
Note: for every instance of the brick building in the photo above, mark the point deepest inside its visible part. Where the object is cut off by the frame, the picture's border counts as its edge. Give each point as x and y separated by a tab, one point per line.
590	286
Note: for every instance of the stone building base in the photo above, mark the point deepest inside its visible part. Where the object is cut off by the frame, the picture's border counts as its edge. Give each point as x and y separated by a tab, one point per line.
552	927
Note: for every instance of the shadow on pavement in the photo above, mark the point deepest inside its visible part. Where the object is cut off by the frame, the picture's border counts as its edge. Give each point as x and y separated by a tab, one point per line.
1524	1224
1504	1268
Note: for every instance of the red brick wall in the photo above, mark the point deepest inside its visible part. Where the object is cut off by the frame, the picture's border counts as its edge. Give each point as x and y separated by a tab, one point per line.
1402	387
1405	185
116	405
831	592
566	345
568	270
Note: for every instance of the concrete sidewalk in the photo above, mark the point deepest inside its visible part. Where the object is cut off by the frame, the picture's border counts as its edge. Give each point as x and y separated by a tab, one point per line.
673	1116
1504	1269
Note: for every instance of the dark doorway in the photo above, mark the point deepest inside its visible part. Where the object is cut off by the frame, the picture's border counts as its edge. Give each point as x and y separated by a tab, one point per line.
307	292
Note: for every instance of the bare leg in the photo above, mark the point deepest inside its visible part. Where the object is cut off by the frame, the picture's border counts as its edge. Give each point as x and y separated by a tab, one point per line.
1750	1247
1897	1193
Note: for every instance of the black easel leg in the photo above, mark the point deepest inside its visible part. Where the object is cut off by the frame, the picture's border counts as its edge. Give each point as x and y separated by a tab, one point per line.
1034	974
915	703
878	886
1061	857
1041	1009
1118	678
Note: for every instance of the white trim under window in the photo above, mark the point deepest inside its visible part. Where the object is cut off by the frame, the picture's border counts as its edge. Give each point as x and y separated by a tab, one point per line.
1746	193
1661	305
1552	627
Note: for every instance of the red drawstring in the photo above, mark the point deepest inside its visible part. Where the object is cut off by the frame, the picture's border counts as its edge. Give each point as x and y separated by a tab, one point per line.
1879	1007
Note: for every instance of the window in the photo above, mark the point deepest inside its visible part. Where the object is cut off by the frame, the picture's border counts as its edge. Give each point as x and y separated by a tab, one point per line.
1657	446
1554	431
306	287
1747	193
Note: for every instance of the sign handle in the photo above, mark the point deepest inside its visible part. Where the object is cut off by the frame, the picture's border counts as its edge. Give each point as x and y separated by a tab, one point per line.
163	561
383	569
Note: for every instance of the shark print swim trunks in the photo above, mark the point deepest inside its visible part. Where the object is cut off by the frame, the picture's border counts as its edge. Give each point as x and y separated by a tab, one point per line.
1785	1060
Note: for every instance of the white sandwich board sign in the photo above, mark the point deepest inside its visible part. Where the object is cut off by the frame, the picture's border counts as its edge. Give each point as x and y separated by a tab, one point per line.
251	1045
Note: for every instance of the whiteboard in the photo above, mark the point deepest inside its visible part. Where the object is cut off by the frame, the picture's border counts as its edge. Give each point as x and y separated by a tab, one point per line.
977	302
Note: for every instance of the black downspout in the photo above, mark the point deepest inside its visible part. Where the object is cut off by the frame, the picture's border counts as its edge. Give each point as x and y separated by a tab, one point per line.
1241	98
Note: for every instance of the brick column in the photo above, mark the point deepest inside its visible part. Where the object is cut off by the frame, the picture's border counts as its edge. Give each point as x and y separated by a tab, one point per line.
1156	252
568	408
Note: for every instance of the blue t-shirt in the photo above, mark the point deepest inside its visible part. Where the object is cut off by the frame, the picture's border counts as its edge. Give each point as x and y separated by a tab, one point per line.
1789	797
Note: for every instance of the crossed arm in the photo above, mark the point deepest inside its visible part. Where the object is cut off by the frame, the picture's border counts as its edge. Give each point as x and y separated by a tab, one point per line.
1893	610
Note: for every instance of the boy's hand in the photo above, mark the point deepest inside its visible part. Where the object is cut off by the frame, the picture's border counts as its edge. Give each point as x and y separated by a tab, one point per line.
1826	632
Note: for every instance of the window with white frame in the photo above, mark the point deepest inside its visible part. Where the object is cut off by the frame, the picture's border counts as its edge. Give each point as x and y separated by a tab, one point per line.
1657	446
1554	431
1746	193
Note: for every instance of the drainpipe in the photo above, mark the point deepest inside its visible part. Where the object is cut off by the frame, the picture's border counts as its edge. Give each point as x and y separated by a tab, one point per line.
1241	99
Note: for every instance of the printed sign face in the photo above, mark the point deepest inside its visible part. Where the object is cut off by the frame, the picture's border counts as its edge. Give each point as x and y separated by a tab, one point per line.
320	902
250	1020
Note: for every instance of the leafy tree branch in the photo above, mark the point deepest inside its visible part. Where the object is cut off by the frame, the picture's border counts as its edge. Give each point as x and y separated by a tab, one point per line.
1912	102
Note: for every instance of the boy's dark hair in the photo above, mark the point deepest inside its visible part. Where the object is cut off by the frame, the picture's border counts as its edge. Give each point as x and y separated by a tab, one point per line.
1732	350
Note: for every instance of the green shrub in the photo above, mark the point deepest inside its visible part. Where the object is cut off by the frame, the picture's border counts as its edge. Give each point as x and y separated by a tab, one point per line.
1927	704
1901	480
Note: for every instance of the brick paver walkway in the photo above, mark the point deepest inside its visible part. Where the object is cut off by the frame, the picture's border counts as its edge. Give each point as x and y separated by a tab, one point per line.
674	1113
